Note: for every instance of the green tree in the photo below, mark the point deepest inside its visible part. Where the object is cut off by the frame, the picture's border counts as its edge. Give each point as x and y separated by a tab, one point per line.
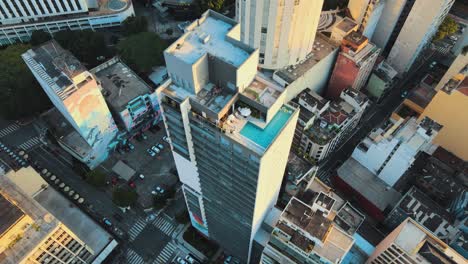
447	28
124	197
87	46
134	24
96	178
39	36
20	95
142	51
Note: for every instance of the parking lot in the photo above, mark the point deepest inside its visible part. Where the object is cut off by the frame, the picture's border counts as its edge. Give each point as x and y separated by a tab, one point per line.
155	168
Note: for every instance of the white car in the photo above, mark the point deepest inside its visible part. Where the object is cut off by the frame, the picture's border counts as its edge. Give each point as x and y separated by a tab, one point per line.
155	149
180	260
160	146
166	139
151	152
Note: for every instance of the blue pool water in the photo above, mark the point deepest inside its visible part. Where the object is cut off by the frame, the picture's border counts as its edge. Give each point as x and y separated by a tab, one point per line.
264	137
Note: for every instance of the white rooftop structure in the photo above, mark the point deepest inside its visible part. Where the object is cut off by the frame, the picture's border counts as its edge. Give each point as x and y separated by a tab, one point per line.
210	37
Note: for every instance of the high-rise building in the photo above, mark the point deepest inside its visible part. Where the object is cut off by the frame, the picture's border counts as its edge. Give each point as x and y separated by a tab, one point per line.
283	31
76	93
19	18
367	14
39	225
353	65
411	243
230	131
390	150
380	81
448	105
406	27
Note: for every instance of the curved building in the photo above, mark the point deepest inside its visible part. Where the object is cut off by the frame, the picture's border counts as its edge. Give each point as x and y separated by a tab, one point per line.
283	30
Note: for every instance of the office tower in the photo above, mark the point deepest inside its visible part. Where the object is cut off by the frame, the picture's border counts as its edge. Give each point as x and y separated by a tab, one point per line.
19	18
448	107
324	124
76	93
39	225
411	243
283	31
353	65
230	131
390	150
308	234
367	14
406	27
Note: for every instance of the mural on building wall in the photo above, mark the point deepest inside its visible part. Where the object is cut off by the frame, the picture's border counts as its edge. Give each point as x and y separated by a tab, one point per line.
197	222
93	118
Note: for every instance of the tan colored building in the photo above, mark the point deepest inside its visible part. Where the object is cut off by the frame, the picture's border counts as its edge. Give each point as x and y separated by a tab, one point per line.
411	243
38	225
448	108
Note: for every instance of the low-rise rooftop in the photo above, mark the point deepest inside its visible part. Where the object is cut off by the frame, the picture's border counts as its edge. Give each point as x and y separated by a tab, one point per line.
349	218
346	24
322	48
367	184
210	35
298	168
119	83
59	64
263	91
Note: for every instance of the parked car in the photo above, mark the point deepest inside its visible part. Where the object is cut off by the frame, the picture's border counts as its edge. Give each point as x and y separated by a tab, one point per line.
130	145
191	259
160	146
155	149
107	222
180	260
158	190
141	176
145	137
166	139
151	152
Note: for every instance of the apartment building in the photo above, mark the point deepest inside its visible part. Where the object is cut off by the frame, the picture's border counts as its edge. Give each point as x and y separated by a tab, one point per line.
367	14
307	233
76	94
324	124
380	81
451	97
406	27
283	31
353	65
390	150
230	131
19	18
39	225
412	243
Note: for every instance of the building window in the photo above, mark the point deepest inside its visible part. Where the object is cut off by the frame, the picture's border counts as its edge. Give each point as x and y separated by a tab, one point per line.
262	55
264	30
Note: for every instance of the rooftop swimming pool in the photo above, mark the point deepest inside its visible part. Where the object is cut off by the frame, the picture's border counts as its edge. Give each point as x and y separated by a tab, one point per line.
264	137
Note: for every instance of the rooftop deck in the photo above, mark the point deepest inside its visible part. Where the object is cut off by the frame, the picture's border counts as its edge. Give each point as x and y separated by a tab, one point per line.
263	91
209	35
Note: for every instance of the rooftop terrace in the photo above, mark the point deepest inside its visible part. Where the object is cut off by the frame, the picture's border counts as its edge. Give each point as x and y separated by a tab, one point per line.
321	49
120	84
210	35
263	91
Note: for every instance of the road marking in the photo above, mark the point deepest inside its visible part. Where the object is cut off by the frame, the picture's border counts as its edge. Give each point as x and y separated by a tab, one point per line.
165	254
9	129
30	143
133	257
164	225
137	228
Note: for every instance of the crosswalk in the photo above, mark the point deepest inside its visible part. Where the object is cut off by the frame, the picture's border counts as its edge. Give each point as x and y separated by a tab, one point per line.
133	257
137	228
165	254
9	129
443	50
164	225
30	143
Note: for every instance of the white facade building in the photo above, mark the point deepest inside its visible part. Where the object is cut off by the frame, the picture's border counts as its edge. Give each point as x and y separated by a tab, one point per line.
406	27
230	131
19	18
390	150
367	13
283	31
